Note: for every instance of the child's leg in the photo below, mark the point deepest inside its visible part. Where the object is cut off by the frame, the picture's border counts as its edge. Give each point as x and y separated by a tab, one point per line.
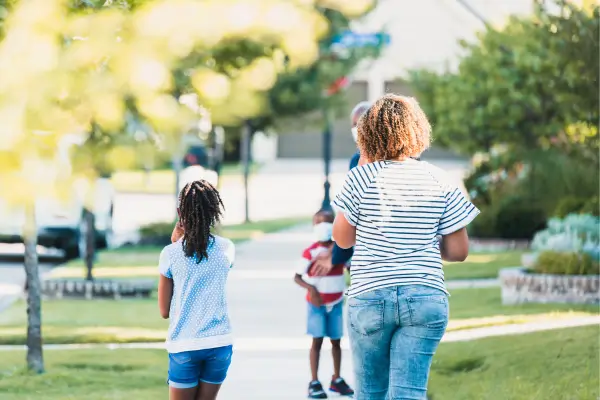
207	391
315	354
182	394
335	330
336	353
315	327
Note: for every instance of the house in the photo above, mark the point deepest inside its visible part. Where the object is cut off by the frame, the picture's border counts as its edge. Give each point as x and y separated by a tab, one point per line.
424	33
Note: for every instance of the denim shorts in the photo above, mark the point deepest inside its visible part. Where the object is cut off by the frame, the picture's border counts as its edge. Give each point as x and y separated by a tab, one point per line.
188	368
324	323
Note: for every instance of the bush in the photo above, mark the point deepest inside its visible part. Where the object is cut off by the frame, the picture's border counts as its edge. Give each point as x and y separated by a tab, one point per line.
157	234
592	206
574	233
569	205
572	263
519	218
484	226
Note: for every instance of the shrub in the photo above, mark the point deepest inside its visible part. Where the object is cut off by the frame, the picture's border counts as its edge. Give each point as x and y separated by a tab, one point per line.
575	233
519	218
569	205
570	263
592	206
484	226
157	234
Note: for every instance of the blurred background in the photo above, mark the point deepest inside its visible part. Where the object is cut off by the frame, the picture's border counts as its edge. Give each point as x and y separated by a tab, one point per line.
108	107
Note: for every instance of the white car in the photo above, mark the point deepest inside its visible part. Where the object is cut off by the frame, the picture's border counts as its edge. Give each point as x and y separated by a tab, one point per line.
63	224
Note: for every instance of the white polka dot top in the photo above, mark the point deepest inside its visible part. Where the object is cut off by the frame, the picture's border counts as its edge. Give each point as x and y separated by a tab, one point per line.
198	316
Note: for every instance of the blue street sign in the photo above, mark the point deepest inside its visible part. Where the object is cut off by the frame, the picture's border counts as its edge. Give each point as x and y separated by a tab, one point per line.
349	39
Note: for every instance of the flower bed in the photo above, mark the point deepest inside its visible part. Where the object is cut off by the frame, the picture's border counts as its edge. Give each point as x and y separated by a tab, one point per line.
564	267
521	286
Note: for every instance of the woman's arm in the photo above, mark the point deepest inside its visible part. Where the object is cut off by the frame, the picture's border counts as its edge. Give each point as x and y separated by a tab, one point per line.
165	294
344	233
455	246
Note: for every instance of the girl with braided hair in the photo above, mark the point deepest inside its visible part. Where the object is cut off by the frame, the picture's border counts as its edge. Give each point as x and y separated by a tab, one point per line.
191	294
404	216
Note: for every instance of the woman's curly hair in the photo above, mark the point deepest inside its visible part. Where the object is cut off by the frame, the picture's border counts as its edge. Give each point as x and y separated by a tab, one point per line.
200	208
394	127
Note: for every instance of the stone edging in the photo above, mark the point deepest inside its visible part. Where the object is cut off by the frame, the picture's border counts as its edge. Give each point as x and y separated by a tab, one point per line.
519	286
61	288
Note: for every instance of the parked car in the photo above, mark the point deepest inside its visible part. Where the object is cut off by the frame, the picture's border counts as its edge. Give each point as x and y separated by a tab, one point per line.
63	224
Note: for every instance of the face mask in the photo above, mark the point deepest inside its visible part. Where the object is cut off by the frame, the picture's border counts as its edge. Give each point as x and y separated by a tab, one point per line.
323	231
355	133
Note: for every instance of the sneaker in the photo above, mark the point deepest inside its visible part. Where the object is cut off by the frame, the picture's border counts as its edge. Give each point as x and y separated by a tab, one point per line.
315	391
341	387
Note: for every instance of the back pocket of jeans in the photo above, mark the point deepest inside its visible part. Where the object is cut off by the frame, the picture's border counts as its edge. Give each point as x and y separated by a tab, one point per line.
429	311
366	316
181	358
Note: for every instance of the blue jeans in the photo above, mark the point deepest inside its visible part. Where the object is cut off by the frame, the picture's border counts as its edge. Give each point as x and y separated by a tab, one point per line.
323	323
187	368
394	333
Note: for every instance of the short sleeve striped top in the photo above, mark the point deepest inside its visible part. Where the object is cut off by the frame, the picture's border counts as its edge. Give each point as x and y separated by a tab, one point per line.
400	208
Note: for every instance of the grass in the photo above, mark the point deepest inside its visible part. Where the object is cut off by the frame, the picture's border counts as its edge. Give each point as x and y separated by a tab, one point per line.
483	265
147	256
560	364
163	181
108	321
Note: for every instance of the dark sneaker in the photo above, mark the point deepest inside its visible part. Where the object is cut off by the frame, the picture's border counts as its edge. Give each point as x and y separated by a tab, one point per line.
315	391
341	387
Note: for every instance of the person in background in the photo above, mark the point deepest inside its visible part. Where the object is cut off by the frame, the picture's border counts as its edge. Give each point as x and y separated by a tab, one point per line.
325	300
394	209
191	294
339	255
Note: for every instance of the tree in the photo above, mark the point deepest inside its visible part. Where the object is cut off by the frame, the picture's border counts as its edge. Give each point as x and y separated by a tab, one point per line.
531	85
90	70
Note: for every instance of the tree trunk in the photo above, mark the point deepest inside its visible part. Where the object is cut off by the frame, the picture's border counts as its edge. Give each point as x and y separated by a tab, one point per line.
246	159
90	244
35	358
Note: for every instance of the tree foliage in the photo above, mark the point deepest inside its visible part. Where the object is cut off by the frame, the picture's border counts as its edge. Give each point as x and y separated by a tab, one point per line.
531	85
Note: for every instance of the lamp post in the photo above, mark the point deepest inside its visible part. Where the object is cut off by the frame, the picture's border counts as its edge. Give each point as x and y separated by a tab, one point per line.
326	205
338	85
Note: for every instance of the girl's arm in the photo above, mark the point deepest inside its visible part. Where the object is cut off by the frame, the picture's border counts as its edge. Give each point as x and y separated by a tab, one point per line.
177	232
165	294
455	246
343	232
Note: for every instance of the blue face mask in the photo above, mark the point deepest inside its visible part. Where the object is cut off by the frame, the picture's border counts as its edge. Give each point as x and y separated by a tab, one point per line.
355	133
323	231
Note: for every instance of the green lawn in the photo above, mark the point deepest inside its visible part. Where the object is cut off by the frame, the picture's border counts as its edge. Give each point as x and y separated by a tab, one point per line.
557	365
561	365
106	321
133	256
482	265
163	181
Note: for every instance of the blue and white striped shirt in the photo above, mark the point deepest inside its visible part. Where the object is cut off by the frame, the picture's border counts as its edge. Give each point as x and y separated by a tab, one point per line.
399	209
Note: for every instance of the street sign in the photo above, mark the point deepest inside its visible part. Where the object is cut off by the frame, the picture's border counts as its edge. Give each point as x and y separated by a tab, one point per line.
349	39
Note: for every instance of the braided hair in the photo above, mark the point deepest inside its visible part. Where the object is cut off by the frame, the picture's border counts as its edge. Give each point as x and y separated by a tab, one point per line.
393	128
200	208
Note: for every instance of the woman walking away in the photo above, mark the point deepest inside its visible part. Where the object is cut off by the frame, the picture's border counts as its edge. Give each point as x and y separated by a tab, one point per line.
404	217
191	293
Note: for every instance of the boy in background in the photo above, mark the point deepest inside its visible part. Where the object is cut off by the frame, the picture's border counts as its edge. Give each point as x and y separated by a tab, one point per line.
325	295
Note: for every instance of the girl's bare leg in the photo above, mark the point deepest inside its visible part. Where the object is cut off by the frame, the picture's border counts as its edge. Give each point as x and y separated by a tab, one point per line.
207	391
183	394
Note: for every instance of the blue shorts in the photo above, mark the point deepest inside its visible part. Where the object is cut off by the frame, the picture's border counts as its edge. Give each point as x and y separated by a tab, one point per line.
321	323
188	368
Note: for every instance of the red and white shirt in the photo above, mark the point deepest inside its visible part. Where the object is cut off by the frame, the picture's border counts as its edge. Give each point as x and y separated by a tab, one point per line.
331	286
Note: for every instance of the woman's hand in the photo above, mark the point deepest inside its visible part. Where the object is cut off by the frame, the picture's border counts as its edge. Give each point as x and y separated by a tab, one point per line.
177	232
322	264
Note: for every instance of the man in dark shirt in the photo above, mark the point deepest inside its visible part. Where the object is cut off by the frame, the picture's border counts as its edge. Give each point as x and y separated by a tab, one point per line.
339	255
